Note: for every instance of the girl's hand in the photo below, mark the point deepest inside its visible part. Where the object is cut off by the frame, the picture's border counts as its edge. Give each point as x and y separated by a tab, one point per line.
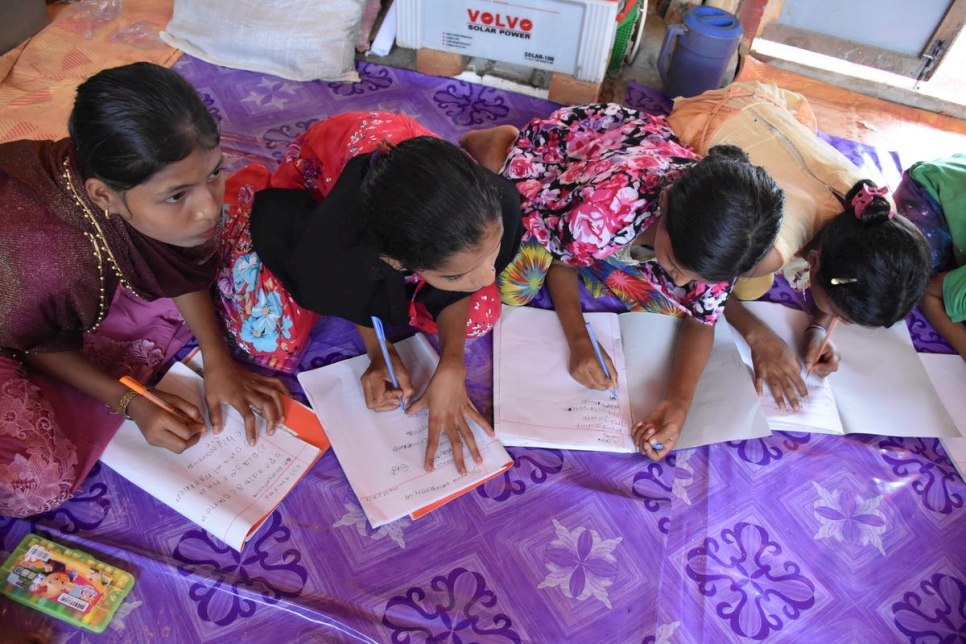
450	410
662	427
377	383
828	361
585	367
227	382
775	363
163	429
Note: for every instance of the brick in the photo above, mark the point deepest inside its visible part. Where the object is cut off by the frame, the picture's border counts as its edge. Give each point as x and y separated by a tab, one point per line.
440	63
567	90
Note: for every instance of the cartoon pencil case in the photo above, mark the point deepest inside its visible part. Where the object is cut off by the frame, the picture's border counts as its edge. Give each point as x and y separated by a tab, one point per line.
64	583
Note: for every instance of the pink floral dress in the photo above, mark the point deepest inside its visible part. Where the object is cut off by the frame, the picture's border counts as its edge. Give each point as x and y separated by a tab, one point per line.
590	177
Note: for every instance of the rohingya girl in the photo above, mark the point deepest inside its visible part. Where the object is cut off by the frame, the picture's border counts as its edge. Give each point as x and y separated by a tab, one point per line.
370	214
132	201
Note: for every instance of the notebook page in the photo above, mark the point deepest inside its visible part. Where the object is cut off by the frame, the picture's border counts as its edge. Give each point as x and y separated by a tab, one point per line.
382	453
818	411
948	375
881	386
725	406
536	401
224	485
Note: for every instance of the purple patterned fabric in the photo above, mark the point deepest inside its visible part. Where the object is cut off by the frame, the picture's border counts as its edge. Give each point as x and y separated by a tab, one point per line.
791	538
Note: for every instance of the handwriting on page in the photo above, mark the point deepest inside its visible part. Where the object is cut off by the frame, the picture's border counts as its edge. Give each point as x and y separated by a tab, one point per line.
405	471
229	468
413	447
222	483
597	415
818	410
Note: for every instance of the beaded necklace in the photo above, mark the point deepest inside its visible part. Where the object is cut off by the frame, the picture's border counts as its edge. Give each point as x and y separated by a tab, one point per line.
101	248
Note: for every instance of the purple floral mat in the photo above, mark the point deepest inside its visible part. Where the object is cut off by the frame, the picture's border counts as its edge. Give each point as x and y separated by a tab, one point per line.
793	538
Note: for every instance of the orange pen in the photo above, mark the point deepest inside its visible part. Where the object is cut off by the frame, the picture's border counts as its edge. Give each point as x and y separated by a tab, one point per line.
134	385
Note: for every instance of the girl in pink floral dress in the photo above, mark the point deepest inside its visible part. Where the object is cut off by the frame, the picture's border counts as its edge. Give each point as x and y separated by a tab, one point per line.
611	195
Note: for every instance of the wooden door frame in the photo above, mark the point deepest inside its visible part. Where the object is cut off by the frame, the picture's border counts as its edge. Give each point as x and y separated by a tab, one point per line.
920	67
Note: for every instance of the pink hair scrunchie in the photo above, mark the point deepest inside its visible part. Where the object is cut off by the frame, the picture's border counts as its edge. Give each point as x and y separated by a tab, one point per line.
865	196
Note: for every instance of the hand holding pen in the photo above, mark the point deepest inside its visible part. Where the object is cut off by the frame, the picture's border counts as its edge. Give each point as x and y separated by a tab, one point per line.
168	421
600	358
374	382
826	358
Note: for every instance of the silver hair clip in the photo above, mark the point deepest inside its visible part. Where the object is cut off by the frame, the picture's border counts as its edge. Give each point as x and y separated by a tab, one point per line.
836	281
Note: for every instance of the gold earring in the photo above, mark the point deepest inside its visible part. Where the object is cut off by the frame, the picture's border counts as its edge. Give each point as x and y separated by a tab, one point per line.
107	213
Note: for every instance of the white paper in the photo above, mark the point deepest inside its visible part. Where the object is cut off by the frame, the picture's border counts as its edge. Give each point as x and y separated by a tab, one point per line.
881	386
538	403
382	453
386	36
948	375
221	483
725	406
817	411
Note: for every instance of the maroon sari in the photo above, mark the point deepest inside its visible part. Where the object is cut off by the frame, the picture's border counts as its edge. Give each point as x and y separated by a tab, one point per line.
61	262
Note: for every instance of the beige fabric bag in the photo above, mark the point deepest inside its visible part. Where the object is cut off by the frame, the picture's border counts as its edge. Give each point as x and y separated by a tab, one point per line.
299	40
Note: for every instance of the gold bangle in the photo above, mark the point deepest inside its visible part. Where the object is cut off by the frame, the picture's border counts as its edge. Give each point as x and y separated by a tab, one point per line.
125	402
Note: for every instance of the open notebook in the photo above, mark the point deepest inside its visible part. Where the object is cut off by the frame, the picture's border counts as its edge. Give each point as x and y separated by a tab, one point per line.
881	386
221	483
948	375
538	404
382	453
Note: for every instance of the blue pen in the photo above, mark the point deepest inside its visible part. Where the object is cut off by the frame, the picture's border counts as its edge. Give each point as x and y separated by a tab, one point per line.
381	335
600	357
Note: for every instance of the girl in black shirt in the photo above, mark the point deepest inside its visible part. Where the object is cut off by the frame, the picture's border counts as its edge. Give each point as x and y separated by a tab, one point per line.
372	215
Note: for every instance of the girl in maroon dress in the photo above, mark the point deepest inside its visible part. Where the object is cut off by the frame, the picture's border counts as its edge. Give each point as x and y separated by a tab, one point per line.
132	200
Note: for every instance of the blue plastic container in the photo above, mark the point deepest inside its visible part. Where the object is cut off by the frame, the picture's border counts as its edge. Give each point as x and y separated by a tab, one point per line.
706	38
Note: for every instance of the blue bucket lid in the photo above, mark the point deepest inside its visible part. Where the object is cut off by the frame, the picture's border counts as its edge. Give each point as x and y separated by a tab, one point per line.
713	22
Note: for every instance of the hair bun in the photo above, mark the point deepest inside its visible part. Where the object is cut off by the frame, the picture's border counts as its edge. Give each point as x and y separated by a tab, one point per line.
867	203
729	152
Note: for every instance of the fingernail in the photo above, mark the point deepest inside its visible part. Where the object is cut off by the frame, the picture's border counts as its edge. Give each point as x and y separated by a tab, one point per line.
251	442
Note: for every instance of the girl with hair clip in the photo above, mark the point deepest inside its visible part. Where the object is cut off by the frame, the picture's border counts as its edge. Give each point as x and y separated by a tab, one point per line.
865	266
611	196
131	199
370	214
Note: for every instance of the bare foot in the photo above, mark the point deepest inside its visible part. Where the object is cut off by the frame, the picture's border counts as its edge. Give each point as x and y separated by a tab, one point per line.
489	147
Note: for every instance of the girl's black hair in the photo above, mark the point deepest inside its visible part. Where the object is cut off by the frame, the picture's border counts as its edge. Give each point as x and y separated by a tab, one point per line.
129	122
874	267
723	214
424	200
